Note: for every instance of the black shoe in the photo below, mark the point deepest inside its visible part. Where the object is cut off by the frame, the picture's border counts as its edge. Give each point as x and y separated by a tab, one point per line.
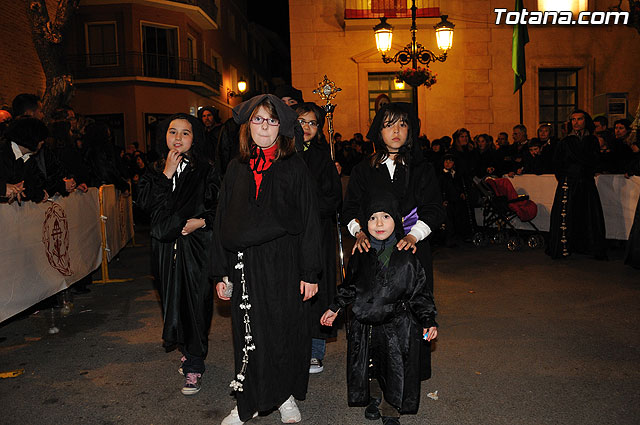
371	412
386	420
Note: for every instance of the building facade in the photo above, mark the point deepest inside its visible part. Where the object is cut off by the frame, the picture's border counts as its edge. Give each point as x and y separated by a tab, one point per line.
135	62
567	66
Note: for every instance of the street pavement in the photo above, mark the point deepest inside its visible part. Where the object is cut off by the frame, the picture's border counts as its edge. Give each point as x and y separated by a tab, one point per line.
522	340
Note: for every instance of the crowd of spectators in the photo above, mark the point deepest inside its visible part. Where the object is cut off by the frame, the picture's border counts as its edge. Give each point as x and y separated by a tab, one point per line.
462	156
42	157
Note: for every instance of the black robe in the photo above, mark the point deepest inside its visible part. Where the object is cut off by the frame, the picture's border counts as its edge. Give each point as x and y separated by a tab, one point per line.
180	263
415	186
14	171
632	255
329	194
577	220
279	234
391	306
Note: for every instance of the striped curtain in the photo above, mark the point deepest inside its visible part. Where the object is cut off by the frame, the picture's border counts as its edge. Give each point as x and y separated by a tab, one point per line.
363	9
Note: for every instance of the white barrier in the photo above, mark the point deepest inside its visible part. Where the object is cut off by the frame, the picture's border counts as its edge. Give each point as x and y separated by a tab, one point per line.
46	248
618	195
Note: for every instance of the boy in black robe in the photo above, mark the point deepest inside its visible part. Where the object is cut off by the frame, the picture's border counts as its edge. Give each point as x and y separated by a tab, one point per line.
393	311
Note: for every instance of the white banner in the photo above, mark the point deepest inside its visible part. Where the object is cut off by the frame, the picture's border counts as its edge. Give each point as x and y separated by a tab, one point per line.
46	248
618	195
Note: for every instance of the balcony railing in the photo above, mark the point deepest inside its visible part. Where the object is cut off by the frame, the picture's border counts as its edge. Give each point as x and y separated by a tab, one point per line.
138	64
208	6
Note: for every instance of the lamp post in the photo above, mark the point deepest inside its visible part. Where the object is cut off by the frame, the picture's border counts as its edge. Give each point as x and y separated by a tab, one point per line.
414	52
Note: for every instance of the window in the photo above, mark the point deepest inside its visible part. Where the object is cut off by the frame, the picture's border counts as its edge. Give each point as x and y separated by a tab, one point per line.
557	95
102	43
160	52
191	54
367	9
382	90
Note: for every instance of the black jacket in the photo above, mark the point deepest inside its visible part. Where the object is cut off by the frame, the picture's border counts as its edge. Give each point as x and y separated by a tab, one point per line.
391	306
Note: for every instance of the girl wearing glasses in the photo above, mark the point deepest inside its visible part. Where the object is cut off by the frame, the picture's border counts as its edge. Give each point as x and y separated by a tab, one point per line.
266	223
398	168
316	154
180	194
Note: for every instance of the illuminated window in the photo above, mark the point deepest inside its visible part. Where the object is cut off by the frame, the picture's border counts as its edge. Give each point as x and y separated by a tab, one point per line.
575	6
382	90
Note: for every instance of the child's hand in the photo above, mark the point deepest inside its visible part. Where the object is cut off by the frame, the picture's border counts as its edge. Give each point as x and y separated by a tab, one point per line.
171	165
362	242
221	287
408	242
309	290
192	224
431	333
328	317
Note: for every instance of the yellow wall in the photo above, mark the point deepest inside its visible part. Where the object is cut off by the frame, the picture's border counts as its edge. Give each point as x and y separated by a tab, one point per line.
475	84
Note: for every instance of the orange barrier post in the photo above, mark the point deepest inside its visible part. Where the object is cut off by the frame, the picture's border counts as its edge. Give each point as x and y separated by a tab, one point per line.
105	247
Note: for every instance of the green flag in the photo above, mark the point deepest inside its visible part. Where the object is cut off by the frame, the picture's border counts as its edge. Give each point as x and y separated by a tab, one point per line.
520	38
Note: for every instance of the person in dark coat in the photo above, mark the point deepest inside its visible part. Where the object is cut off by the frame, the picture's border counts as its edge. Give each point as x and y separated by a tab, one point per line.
484	158
268	237
19	170
316	154
210	118
180	194
101	159
393	309
577	221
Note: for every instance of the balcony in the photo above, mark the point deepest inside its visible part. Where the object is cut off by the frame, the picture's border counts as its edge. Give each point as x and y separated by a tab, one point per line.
202	12
146	67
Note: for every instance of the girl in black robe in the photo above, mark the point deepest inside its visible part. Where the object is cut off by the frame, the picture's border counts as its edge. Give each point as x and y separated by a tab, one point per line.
267	241
577	220
316	154
397	167
180	194
393	309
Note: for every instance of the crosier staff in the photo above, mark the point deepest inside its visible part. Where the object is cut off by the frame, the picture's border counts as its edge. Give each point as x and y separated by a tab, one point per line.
327	90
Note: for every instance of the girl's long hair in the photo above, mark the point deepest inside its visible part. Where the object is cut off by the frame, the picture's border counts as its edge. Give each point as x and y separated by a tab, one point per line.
391	116
196	154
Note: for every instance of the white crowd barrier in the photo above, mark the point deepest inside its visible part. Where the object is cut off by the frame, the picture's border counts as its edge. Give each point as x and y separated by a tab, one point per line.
618	195
48	247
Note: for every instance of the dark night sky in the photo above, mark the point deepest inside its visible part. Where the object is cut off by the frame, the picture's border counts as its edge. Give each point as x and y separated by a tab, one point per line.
273	14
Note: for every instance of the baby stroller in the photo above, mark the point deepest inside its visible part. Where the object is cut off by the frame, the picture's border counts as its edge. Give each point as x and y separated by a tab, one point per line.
501	204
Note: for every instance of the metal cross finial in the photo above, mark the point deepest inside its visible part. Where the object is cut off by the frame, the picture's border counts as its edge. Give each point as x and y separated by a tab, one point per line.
327	89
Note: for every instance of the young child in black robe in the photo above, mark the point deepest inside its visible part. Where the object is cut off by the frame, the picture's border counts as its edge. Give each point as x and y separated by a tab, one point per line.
393	312
180	193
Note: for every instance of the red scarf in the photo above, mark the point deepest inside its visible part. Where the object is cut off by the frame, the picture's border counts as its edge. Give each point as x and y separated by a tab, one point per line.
260	162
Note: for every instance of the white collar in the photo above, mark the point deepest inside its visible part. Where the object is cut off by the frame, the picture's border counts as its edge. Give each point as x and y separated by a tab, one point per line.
17	152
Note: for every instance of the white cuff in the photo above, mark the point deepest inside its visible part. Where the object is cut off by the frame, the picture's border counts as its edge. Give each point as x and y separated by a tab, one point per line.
420	230
353	227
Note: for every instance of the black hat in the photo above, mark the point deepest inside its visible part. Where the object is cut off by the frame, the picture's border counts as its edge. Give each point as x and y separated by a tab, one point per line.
27	132
386	202
289	91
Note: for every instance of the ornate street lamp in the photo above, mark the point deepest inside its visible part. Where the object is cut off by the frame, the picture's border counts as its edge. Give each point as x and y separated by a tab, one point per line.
414	52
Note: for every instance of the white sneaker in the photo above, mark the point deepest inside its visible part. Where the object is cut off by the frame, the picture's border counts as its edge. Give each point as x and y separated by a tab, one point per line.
315	366
233	418
289	413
